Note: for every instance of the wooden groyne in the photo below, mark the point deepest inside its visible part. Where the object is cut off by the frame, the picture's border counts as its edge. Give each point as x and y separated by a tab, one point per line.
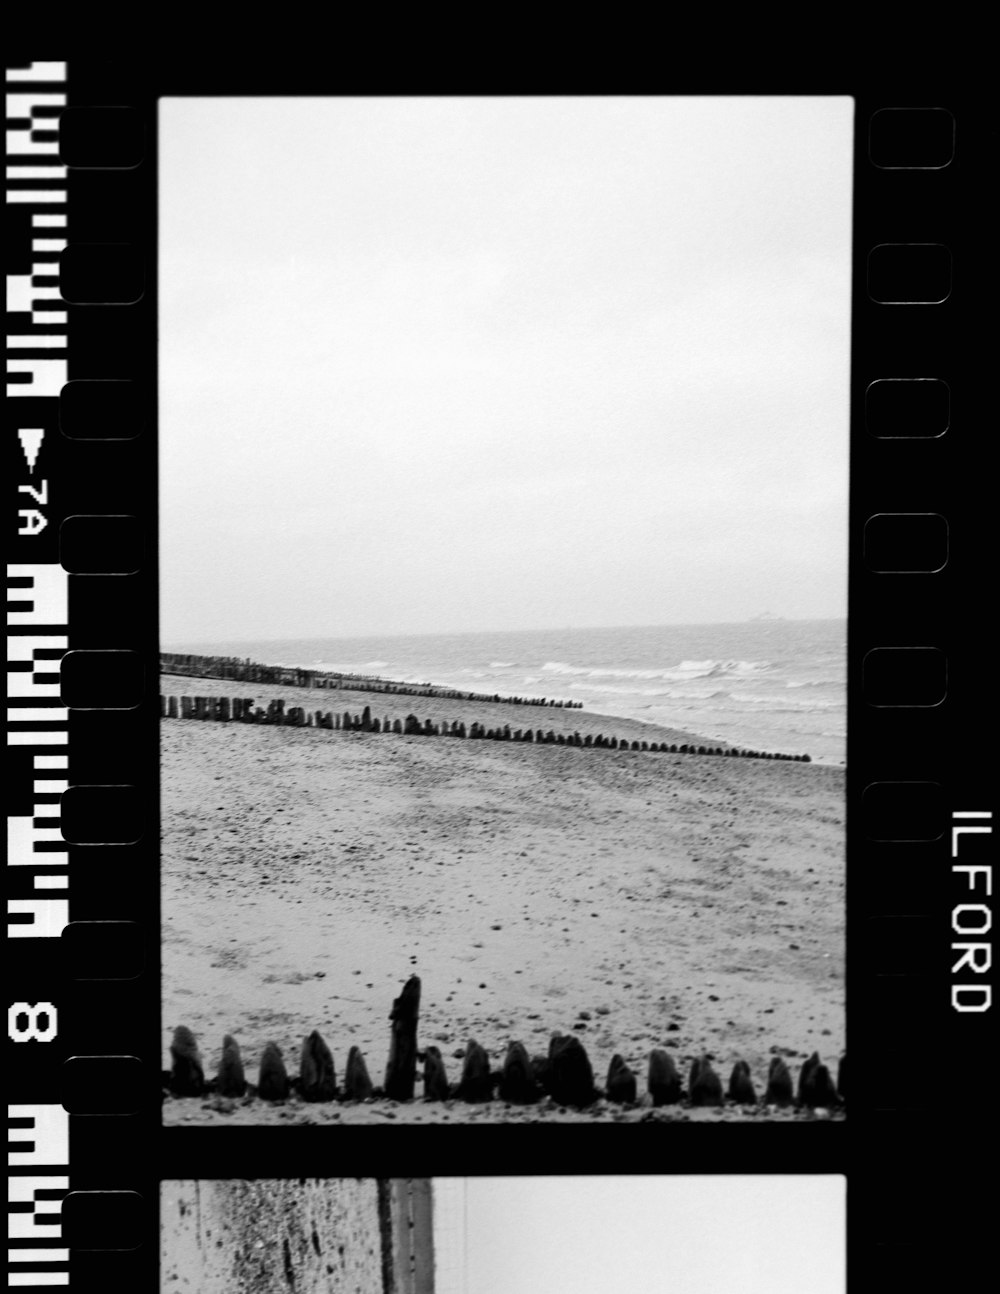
247	671
222	709
563	1076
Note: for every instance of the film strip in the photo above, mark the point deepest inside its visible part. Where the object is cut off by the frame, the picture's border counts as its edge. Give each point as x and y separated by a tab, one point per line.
81	734
921	884
87	1151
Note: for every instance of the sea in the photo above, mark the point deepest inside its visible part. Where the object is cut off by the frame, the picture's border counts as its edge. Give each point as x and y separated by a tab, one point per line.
767	684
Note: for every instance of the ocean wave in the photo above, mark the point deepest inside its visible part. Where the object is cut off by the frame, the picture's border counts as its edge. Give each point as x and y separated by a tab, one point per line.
666	693
787	704
687	669
502	664
366	667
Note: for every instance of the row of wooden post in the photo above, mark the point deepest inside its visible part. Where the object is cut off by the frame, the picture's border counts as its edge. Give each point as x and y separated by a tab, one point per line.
231	667
240	710
564	1074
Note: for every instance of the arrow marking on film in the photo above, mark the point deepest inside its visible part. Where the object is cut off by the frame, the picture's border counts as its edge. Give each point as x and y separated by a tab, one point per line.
31	443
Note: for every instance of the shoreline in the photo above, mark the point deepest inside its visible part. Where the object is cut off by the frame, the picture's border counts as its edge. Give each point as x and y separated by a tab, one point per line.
681	900
776	692
438	703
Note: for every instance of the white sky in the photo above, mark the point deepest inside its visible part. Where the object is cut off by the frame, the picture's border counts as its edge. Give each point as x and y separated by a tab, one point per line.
598	1235
455	364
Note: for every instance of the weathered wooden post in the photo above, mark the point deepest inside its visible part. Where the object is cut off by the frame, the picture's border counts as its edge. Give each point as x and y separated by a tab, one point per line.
663	1081
231	1080
435	1076
187	1074
779	1083
273	1082
357	1084
475	1084
815	1084
317	1080
740	1085
401	1070
517	1081
171	707
621	1085
571	1077
704	1085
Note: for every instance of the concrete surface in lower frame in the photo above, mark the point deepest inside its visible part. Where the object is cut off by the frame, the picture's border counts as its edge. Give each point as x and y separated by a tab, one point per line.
279	1237
413	1236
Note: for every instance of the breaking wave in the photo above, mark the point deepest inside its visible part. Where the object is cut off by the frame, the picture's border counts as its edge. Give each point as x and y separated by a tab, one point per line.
687	669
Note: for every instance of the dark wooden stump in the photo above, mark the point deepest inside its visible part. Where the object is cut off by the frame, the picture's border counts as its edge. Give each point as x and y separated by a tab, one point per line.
517	1080
572	1079
779	1083
357	1084
435	1076
663	1080
815	1084
704	1084
317	1079
475	1084
400	1072
231	1080
621	1083
187	1074
273	1082
741	1087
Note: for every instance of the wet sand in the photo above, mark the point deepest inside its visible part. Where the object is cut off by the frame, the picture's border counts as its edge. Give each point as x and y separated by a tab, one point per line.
639	900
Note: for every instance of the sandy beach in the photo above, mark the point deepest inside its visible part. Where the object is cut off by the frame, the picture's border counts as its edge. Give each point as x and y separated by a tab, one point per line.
637	900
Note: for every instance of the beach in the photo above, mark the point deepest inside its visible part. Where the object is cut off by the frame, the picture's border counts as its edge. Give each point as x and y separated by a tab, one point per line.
637	900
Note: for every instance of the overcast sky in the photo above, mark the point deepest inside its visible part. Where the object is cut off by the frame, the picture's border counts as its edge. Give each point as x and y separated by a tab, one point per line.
456	364
601	1235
